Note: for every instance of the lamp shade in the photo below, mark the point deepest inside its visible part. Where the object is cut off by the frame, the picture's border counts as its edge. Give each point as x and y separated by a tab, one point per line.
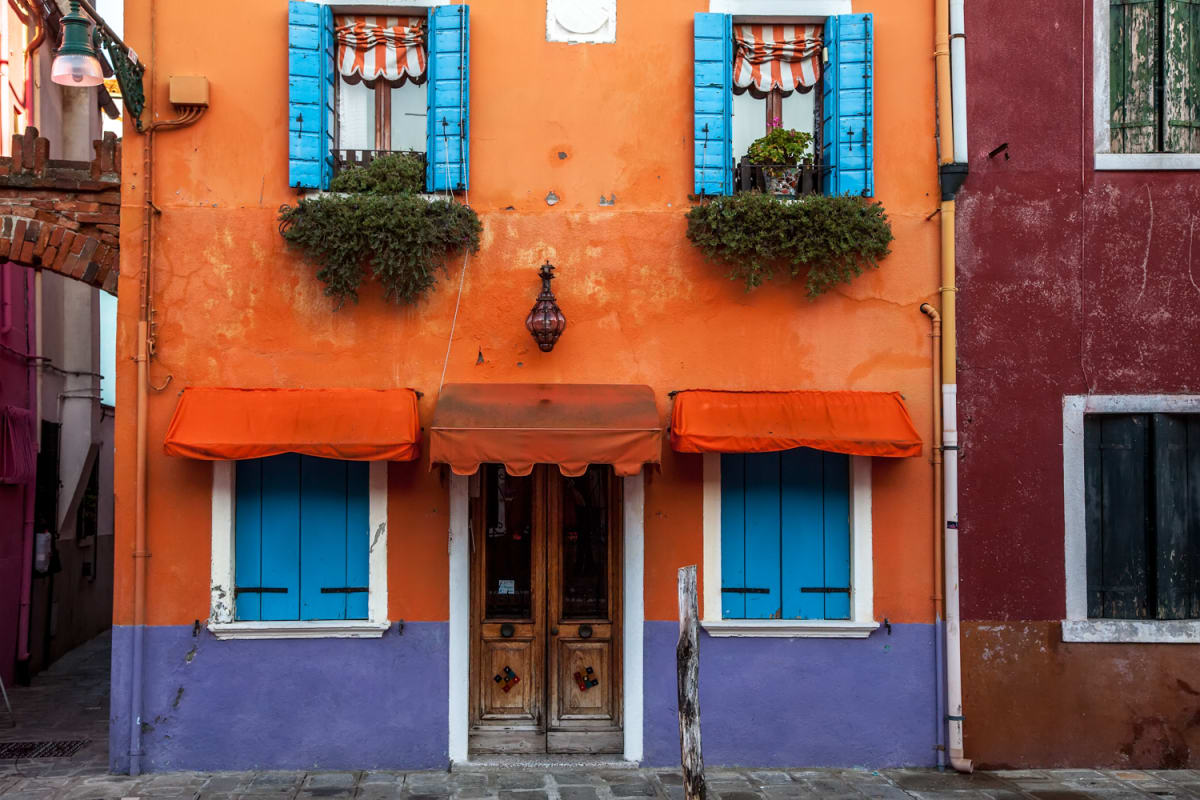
73	69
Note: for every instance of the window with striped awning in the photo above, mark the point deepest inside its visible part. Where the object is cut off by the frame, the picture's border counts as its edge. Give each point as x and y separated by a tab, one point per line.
373	47
783	57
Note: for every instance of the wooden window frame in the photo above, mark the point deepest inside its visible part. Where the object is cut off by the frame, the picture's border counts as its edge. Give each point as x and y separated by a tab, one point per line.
222	619
862	585
1076	625
1104	159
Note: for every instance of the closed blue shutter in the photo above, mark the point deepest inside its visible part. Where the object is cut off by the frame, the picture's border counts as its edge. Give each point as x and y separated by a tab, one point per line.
849	106
448	122
733	535
310	95
301	527
281	537
248	538
713	104
785	535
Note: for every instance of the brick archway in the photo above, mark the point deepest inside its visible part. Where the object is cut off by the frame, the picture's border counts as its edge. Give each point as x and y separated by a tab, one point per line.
62	216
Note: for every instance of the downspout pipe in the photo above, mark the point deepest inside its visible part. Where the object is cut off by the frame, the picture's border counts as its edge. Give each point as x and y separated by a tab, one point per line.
939	652
952	172
23	613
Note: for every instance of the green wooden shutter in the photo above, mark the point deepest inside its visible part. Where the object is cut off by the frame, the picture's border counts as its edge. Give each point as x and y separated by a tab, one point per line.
1172	554
1181	68
1134	116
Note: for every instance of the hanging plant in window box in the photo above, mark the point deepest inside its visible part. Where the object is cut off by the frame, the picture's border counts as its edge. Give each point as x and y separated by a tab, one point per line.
829	240
375	220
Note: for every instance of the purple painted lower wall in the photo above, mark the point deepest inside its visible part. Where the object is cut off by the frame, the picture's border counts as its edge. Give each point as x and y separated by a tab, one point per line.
382	703
285	703
799	702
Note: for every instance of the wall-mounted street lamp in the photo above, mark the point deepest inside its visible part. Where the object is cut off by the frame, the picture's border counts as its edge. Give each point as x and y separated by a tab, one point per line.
546	321
78	62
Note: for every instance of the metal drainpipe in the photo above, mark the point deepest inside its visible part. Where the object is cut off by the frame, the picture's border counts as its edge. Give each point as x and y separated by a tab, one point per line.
949	55
939	654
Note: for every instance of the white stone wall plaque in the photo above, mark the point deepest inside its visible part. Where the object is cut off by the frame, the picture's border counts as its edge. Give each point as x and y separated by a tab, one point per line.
581	21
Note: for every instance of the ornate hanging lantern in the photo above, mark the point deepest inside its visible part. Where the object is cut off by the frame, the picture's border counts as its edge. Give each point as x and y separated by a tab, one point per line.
546	321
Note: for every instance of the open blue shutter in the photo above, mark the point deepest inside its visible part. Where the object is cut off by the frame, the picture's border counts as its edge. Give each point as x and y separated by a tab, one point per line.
310	95
448	122
849	106
713	104
733	535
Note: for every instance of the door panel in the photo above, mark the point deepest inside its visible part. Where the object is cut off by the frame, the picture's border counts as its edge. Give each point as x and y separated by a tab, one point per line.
584	535
545	603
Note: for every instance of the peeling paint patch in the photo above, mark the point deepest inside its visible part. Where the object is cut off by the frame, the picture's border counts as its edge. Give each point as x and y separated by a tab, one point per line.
611	201
382	529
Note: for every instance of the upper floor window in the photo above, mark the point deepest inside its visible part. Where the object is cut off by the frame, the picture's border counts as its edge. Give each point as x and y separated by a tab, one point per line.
381	86
361	84
816	79
1147	84
1142	489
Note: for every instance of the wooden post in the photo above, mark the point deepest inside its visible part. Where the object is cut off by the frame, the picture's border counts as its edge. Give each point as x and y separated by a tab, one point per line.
687	657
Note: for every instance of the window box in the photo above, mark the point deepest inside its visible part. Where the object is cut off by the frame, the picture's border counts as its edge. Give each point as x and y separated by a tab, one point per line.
806	178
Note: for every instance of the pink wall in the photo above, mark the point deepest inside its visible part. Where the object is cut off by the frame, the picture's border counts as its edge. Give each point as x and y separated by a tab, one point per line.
15	290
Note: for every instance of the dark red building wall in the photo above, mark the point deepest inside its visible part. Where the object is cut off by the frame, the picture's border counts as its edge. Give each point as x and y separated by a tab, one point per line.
1070	281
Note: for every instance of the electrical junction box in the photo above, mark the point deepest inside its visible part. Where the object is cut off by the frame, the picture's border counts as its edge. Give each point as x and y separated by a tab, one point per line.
189	90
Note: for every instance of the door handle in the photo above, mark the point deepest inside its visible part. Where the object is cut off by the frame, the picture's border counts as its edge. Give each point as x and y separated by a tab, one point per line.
554	631
585	631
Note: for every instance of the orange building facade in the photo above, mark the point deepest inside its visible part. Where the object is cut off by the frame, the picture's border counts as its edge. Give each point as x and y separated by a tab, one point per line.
604	130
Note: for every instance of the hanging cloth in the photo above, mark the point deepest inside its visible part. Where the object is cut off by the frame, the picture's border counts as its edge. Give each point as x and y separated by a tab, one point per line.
371	47
18	445
784	57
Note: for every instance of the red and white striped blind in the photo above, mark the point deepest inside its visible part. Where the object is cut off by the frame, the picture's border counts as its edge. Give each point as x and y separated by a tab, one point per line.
372	47
785	57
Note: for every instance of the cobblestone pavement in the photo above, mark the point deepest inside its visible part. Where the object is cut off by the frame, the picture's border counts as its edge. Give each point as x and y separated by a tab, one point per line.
599	784
70	701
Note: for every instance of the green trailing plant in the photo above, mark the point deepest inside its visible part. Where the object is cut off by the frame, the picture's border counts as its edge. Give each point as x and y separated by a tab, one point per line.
780	146
831	240
395	173
382	226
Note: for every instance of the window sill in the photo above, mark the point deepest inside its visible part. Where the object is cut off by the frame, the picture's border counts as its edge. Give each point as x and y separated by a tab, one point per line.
1132	631
333	629
1147	161
801	629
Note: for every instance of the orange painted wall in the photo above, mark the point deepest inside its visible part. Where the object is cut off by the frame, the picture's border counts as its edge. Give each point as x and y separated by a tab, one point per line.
235	308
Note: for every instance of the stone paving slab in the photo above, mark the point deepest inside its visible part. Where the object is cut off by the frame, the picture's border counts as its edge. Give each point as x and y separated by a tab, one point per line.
30	780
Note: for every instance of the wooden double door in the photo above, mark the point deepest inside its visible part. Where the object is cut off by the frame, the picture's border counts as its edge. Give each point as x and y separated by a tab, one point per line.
546	612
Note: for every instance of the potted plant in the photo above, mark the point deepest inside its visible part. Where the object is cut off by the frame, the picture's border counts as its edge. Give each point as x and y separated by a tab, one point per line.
780	154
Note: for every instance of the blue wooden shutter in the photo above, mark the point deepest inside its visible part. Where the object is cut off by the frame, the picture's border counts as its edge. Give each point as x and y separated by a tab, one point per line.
733	535
815	534
358	536
448	128
762	536
248	538
322	538
310	95
848	148
280	555
712	131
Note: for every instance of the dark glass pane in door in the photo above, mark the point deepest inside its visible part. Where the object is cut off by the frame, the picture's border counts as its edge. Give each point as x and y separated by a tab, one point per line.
508	543
585	545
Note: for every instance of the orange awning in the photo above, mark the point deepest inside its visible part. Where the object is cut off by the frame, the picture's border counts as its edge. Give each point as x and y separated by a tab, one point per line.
349	424
522	424
856	423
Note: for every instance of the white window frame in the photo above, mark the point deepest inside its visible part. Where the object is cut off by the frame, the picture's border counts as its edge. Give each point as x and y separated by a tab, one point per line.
222	616
797	10
1077	627
1105	159
862	586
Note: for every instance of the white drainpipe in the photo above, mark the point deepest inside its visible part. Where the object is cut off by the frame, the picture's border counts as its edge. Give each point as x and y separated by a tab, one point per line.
958	79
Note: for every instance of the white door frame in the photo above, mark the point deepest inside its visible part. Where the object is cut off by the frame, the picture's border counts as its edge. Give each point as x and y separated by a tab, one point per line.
460	616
